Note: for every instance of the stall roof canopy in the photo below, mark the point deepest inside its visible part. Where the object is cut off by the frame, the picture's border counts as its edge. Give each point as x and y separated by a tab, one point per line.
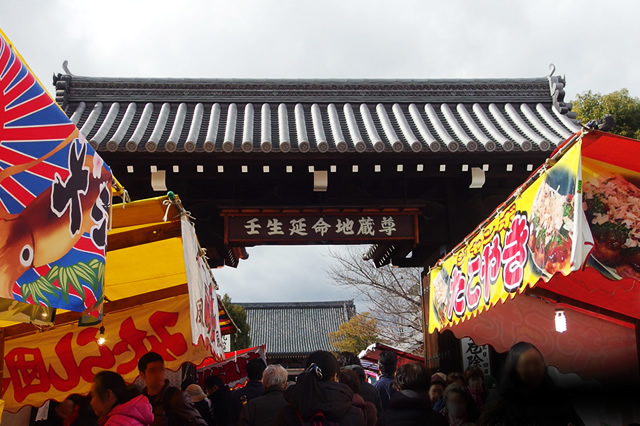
595	279
317	116
369	357
298	328
145	261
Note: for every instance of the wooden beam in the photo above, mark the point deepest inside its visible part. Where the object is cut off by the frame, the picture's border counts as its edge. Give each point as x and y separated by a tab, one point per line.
144	235
141	212
65	318
637	329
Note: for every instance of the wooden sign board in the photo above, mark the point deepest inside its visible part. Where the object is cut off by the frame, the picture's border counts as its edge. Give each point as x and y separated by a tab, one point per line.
317	228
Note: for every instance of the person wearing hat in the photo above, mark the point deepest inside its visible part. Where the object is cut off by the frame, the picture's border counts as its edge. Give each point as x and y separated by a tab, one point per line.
436	391
201	402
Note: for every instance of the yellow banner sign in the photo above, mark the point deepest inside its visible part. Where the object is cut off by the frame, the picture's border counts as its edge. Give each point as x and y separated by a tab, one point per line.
64	360
532	237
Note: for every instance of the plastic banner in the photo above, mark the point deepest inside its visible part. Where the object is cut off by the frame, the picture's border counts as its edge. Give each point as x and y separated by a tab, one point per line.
233	370
539	233
55	193
612	207
64	360
205	318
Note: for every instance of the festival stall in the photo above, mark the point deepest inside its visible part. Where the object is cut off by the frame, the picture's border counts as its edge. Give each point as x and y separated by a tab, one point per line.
71	304
233	369
369	358
557	265
159	296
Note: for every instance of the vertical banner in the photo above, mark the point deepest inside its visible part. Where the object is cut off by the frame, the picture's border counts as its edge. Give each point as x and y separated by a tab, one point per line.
55	193
205	320
539	233
475	356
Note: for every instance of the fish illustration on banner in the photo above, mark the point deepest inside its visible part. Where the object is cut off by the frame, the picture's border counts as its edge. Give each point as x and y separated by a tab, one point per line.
55	195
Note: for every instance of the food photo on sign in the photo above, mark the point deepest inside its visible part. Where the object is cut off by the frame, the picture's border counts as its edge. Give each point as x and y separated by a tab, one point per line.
612	207
537	234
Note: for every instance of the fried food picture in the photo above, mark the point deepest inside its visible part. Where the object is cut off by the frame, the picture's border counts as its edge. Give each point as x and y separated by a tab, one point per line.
612	207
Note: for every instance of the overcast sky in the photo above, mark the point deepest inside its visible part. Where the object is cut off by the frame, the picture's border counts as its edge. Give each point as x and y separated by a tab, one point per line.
594	43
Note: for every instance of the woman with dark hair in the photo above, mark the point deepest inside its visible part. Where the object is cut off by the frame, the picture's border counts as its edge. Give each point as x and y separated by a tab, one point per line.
351	379
527	395
118	405
318	397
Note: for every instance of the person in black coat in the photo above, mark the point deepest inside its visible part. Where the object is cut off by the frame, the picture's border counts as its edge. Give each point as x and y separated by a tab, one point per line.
253	389
527	395
263	410
411	405
220	396
319	397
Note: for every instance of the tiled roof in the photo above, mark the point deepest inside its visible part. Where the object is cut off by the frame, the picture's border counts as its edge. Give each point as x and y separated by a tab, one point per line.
296	328
317	116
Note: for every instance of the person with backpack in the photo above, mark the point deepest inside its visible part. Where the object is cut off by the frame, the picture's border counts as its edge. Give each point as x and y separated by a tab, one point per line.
117	405
171	406
318	399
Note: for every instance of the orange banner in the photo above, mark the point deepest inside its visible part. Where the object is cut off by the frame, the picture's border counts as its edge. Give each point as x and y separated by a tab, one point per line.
64	360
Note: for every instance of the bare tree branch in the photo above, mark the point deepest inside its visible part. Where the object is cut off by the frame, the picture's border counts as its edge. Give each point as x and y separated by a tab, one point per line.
393	295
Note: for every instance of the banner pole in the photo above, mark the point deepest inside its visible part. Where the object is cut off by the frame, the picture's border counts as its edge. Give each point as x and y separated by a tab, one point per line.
2	357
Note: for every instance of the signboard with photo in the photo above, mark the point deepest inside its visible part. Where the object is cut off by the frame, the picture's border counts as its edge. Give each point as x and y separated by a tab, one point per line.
537	234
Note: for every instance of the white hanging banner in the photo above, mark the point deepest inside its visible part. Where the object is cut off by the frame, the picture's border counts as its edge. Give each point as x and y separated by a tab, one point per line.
475	356
203	299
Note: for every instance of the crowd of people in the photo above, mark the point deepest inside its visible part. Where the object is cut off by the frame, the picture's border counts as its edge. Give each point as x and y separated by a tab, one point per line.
331	391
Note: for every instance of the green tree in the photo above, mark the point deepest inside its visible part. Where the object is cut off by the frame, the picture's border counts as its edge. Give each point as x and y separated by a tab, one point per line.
624	108
241	339
356	334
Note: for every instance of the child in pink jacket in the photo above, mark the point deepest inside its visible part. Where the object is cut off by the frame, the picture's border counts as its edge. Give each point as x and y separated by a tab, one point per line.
115	405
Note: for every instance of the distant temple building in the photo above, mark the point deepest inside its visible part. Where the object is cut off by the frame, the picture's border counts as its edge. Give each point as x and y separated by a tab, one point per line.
272	324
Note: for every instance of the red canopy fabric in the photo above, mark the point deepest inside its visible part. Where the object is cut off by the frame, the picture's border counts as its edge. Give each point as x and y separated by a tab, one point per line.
612	149
591	347
372	353
589	286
